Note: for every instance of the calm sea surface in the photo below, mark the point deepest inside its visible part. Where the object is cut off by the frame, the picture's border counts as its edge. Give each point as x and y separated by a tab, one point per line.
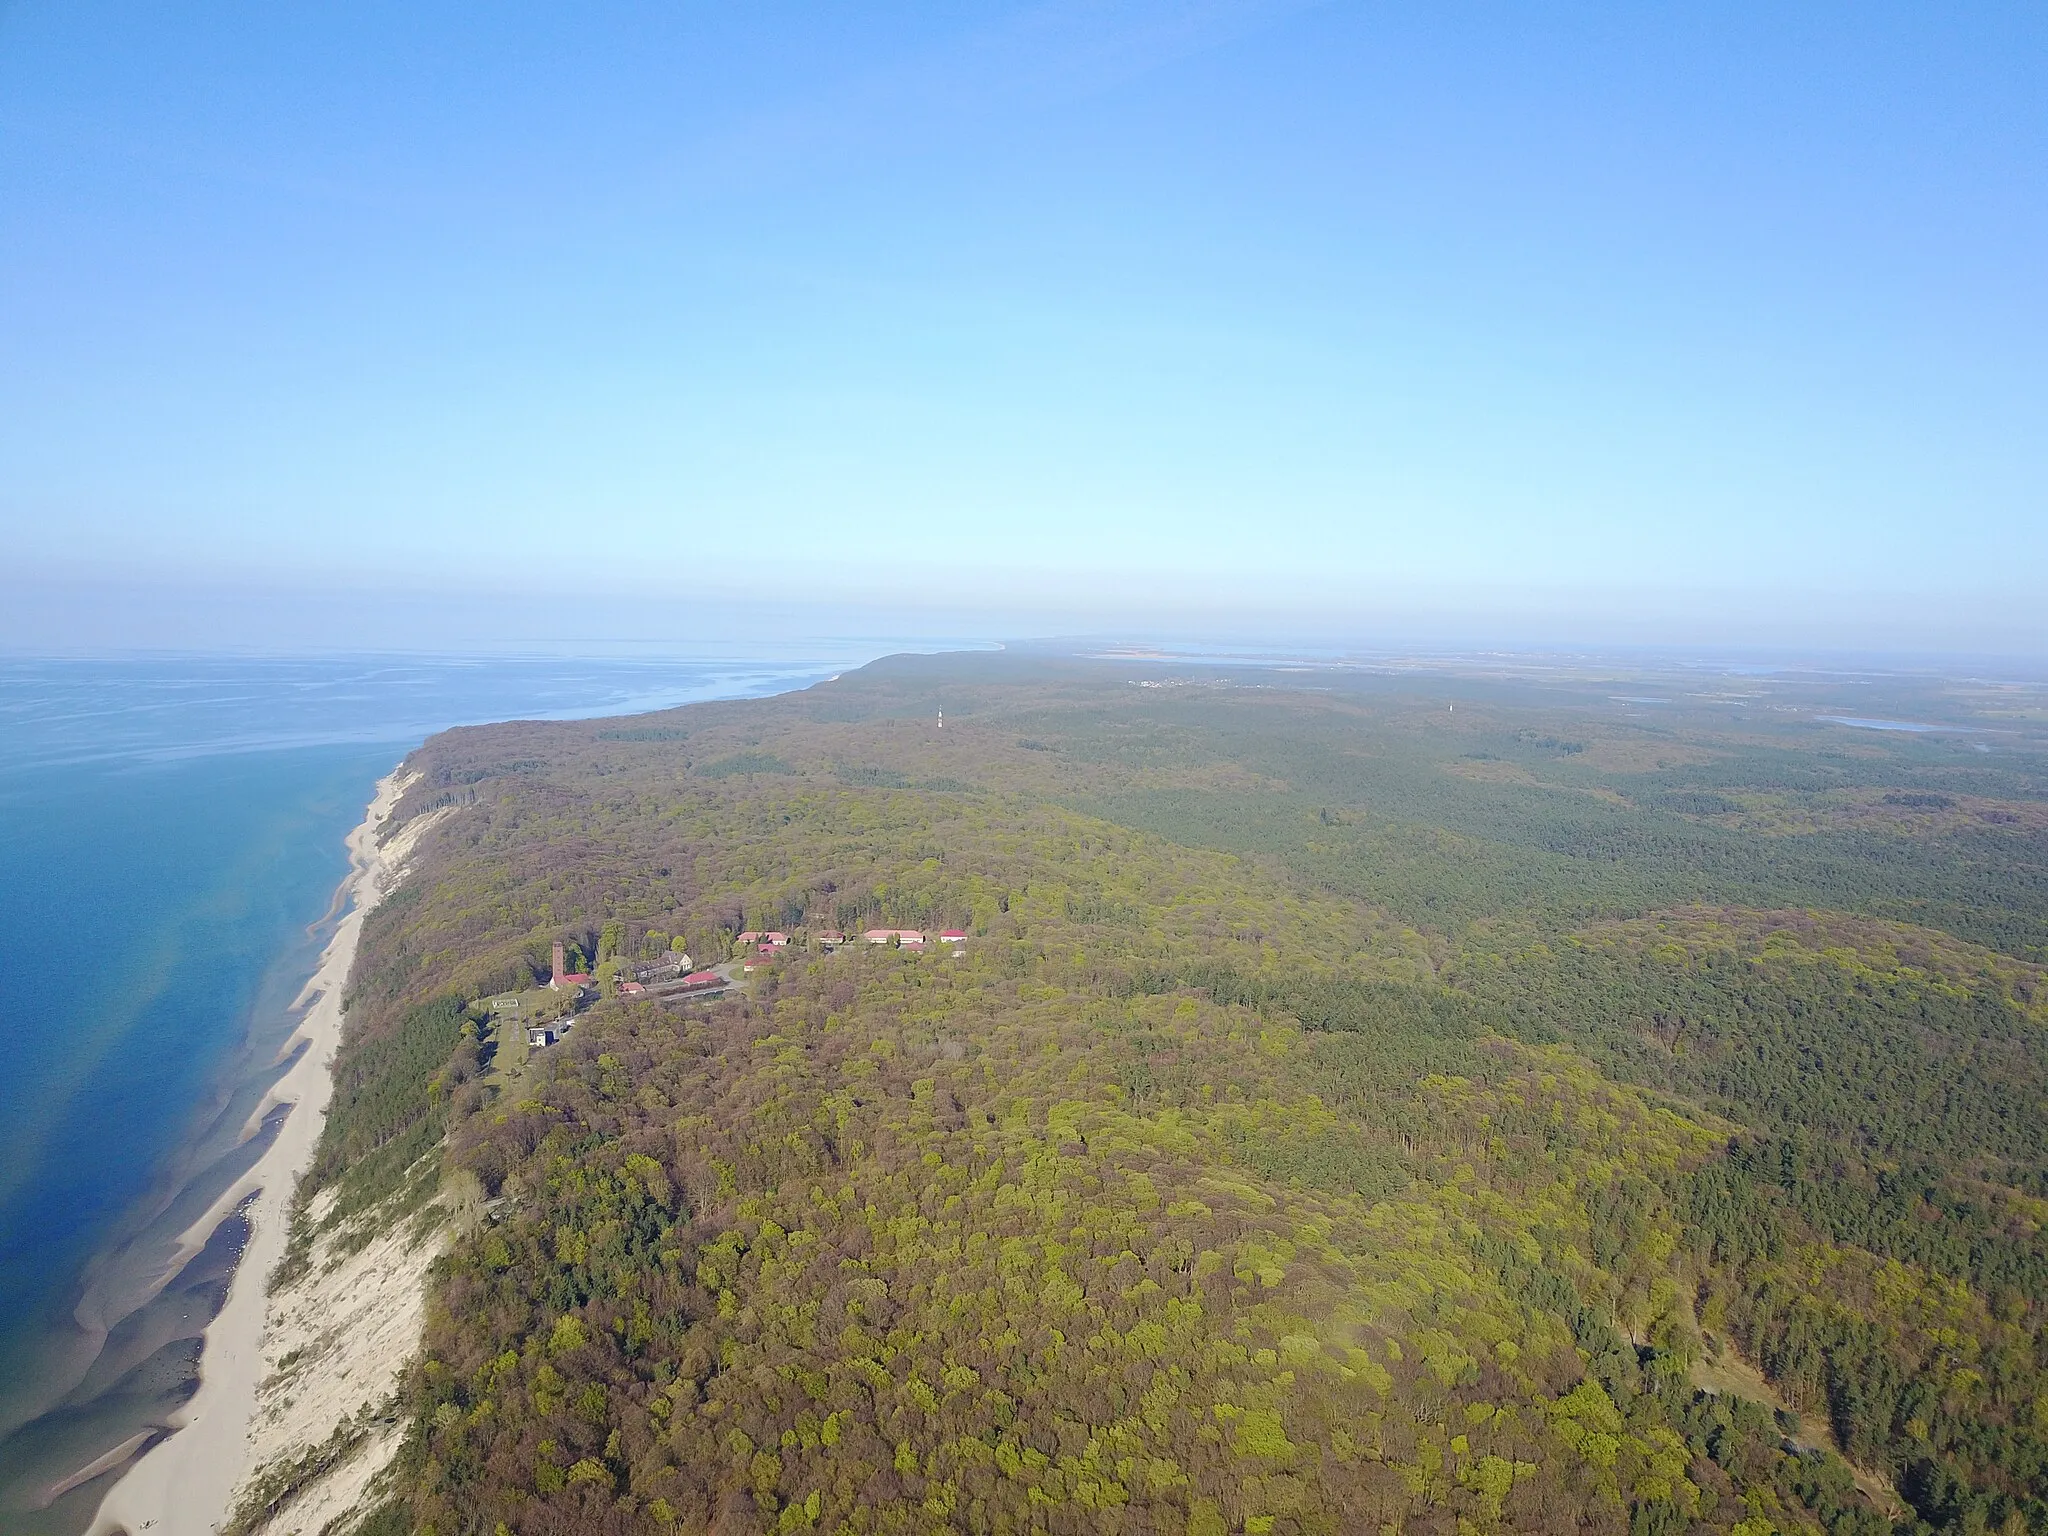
170	846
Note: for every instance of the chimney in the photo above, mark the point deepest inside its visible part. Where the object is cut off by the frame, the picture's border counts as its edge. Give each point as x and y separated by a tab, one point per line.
556	979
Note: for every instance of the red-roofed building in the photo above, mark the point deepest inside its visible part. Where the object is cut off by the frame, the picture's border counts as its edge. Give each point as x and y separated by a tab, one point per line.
703	979
954	936
631	989
830	938
909	938
566	978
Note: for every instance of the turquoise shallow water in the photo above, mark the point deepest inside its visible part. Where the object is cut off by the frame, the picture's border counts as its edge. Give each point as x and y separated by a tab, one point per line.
171	838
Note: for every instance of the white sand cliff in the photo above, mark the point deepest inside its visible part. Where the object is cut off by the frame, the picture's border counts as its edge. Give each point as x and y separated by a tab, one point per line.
335	1343
345	1328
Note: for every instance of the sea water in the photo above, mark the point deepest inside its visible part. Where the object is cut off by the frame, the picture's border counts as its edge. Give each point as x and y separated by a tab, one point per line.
171	842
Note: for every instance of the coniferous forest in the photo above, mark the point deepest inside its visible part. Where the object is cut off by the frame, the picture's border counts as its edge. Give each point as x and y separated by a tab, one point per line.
1364	1101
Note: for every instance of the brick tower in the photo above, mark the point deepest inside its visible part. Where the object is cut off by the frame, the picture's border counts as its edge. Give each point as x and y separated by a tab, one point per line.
556	979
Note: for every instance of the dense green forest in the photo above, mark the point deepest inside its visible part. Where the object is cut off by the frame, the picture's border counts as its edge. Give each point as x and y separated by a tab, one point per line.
1406	1101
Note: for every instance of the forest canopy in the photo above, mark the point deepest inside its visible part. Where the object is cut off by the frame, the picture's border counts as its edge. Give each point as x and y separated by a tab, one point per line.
1345	1112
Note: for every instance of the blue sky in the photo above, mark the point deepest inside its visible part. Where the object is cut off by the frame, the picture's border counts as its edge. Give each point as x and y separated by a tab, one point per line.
1636	319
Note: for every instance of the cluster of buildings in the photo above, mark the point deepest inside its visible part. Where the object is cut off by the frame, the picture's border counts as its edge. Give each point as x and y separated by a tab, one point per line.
913	938
666	976
670	975
664	973
764	944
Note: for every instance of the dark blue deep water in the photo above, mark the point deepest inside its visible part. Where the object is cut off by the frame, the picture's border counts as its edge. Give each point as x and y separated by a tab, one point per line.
170	847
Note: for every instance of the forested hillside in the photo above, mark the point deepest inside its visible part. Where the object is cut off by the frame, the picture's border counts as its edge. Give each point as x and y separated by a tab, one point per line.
1362	1103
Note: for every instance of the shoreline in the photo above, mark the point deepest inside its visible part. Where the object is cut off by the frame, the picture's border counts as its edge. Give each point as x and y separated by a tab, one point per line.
181	1485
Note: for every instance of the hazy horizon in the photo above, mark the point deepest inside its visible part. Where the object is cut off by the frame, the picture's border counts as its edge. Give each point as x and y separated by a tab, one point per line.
74	617
1574	324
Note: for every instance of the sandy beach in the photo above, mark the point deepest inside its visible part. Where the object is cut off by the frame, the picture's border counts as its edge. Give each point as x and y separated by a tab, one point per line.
182	1486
